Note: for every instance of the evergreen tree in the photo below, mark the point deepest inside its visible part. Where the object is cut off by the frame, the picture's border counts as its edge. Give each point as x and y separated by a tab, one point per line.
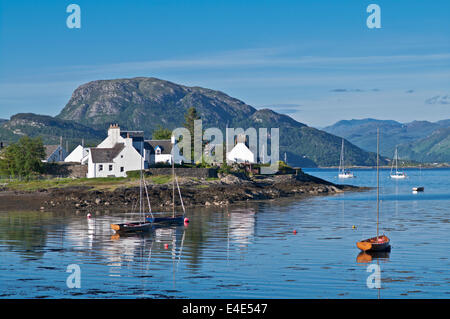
161	133
189	118
23	158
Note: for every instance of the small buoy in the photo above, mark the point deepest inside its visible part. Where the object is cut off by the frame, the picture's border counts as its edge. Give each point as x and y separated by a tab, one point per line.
89	215
353	227
186	220
295	232
166	246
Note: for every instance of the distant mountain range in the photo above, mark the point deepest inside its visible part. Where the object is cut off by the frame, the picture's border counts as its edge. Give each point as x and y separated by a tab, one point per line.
146	103
418	140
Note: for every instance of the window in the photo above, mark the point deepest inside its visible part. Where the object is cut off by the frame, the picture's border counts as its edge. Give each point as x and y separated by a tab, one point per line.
100	167
121	169
110	167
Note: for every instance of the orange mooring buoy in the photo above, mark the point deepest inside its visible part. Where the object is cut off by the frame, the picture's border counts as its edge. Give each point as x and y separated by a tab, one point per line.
295	232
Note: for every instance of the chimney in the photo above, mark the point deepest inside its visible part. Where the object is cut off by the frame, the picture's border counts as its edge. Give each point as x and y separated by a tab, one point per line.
114	133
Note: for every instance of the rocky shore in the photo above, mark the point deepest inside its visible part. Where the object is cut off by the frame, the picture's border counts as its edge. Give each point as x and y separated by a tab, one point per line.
222	191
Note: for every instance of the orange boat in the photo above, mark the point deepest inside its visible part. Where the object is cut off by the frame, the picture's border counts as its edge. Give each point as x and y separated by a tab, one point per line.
379	242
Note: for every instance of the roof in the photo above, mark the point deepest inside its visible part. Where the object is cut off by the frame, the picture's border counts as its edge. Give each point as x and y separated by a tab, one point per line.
135	135
164	145
50	149
106	155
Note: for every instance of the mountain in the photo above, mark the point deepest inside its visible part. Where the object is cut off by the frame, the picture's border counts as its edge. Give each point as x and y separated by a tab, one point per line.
363	134
145	103
50	129
434	148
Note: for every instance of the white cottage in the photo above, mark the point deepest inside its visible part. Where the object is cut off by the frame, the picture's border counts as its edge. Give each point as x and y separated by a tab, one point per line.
241	154
77	155
119	153
160	151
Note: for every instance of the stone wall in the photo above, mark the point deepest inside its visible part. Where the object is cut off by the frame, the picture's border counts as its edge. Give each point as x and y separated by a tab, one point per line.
186	172
74	170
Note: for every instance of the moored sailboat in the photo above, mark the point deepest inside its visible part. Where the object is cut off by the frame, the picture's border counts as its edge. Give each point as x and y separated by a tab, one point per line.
397	174
175	217
379	242
138	226
343	173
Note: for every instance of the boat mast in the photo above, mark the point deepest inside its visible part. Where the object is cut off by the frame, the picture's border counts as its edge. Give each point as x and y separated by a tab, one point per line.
341	161
396	161
140	183
173	177
378	177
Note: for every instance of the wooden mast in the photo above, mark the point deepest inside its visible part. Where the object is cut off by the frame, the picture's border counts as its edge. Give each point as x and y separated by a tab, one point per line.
172	139
378	177
140	184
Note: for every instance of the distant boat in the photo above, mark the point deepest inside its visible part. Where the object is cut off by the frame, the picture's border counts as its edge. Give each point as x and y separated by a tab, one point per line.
379	242
343	173
418	189
397	174
174	218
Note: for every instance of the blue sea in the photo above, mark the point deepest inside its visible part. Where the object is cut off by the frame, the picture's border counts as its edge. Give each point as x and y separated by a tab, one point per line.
243	251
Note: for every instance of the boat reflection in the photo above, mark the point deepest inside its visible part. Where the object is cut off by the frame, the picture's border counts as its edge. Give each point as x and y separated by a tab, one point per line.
369	256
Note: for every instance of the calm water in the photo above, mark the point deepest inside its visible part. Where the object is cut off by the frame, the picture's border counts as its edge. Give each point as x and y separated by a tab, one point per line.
246	251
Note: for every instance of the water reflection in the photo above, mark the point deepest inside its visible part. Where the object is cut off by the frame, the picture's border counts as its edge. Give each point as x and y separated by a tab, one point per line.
367	257
242	226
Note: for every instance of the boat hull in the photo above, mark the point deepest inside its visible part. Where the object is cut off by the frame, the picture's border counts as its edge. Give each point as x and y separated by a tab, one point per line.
380	243
166	220
131	227
418	189
350	175
398	176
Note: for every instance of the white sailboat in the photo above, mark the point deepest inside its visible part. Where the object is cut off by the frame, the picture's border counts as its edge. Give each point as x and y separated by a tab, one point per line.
397	174
343	173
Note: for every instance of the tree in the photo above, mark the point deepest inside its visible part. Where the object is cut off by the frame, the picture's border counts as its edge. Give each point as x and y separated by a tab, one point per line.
189	118
161	133
23	158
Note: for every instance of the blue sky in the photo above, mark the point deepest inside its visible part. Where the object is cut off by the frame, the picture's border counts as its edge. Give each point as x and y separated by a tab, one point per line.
314	60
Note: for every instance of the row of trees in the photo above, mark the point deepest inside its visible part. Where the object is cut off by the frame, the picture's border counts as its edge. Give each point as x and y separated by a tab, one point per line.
23	159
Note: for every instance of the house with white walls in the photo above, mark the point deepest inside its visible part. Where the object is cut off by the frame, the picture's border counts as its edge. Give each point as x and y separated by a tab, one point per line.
240	153
119	153
160	151
79	154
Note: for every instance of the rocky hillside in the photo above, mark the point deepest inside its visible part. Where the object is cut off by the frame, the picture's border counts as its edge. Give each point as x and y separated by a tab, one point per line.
433	148
146	103
417	140
50	129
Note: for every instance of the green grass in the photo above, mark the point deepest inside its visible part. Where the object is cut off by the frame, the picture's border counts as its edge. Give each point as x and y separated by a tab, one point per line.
109	183
161	179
